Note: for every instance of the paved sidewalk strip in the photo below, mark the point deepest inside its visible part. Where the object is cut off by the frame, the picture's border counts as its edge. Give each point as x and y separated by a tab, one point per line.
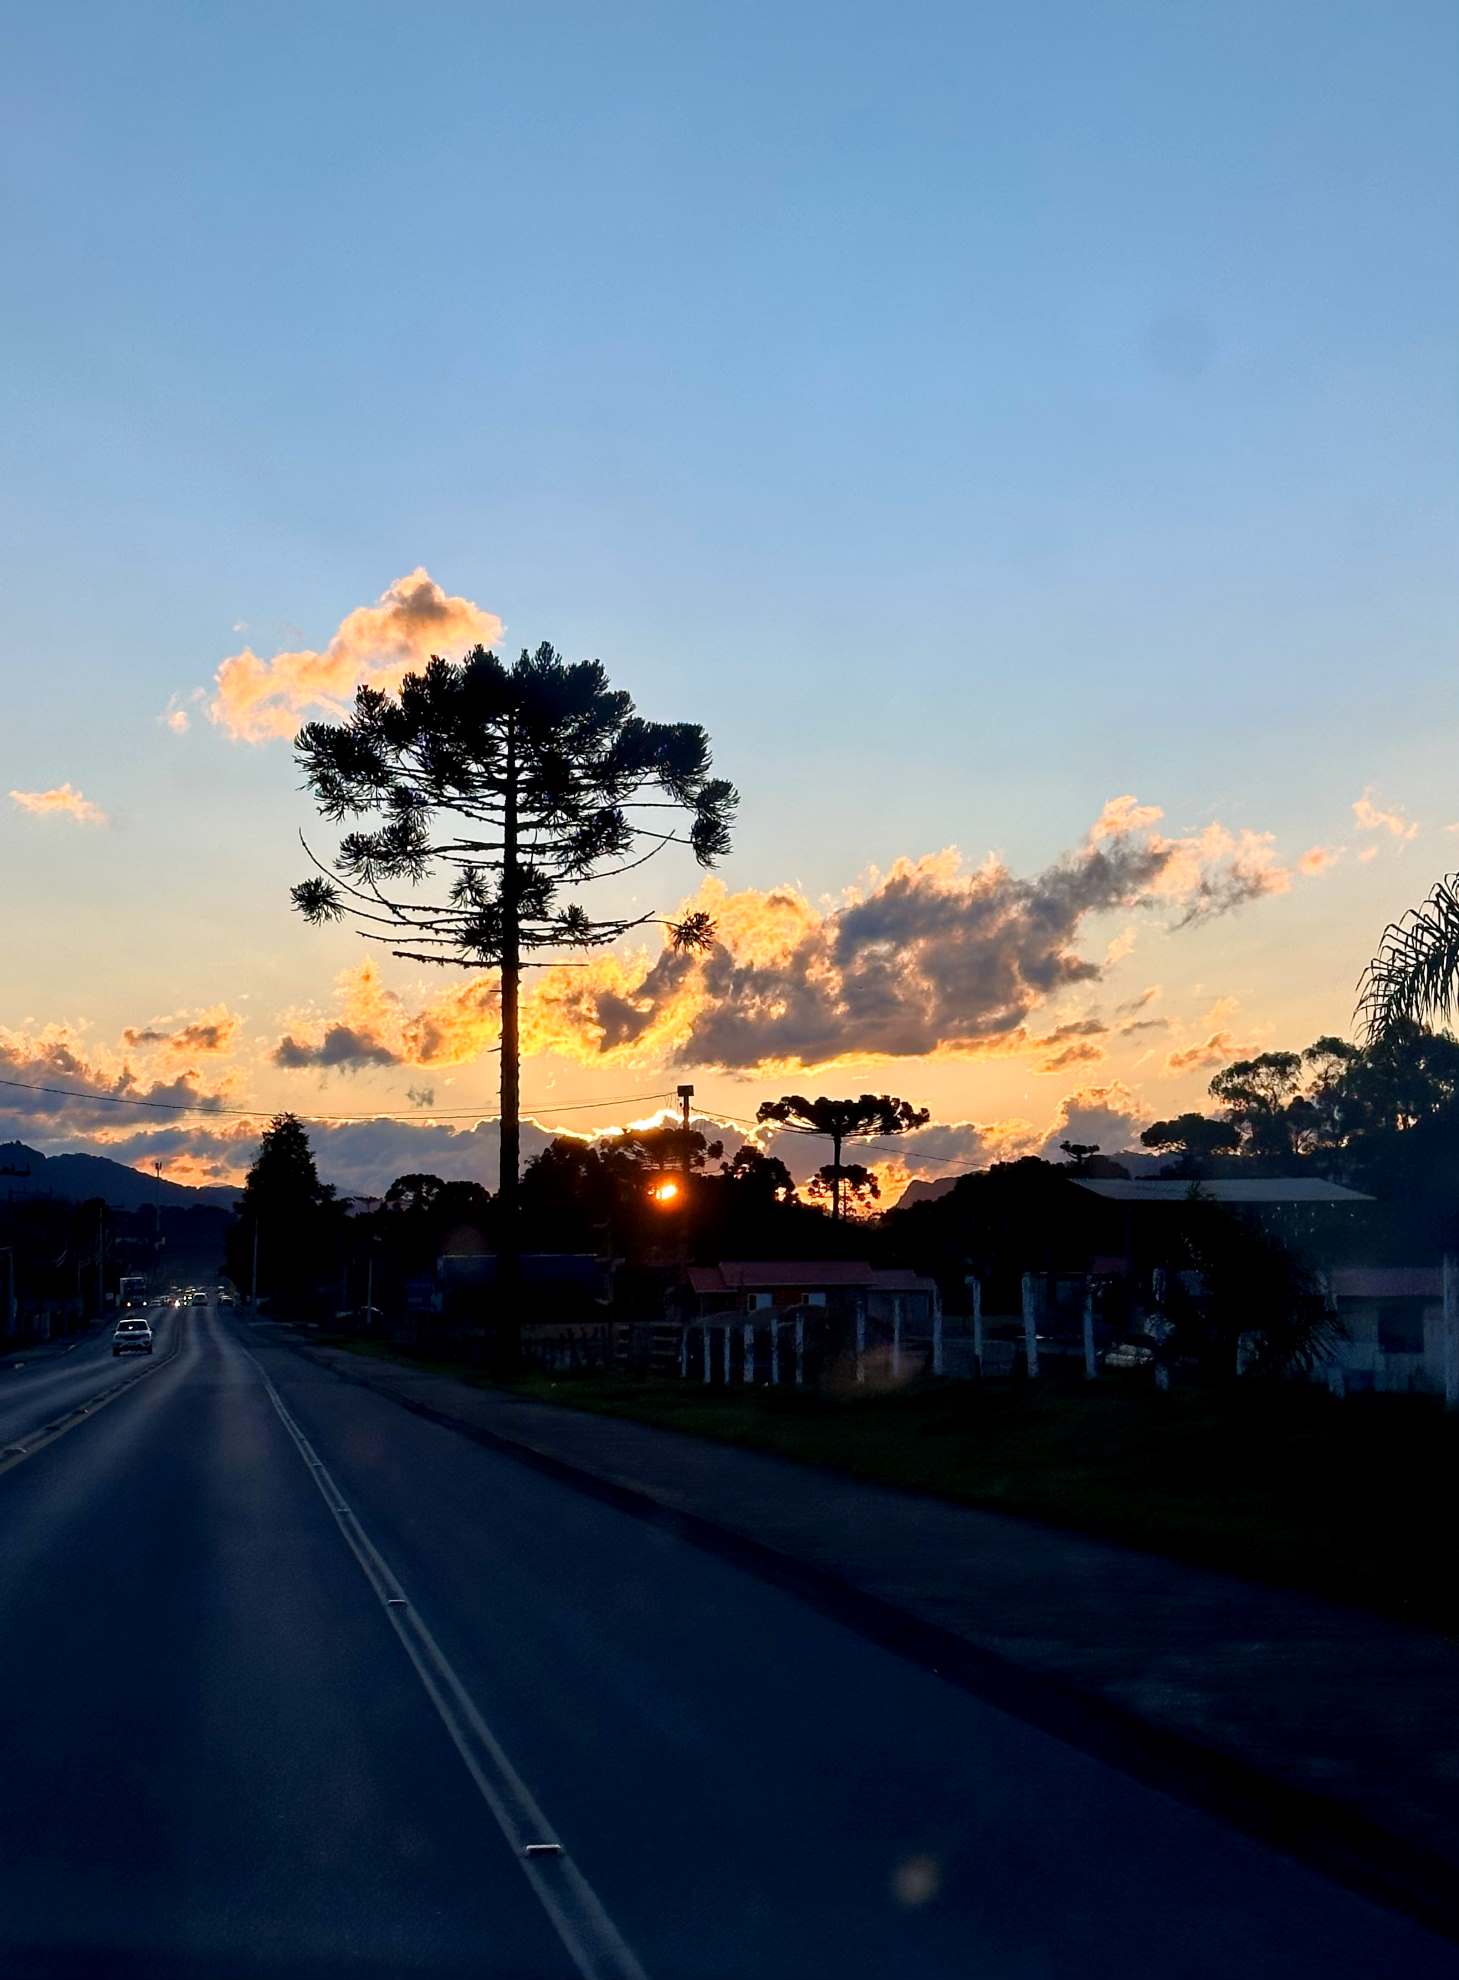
1334	1702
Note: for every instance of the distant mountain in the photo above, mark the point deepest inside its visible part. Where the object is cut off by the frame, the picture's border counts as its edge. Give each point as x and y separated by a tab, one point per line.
924	1192
77	1178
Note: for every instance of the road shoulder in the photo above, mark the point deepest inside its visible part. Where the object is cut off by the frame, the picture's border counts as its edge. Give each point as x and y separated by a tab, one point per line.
1319	1728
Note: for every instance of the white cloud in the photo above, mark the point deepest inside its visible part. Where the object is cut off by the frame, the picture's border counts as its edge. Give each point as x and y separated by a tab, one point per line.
62	801
257	700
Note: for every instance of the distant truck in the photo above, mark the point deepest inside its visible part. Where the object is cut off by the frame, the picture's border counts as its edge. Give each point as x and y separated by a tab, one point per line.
131	1292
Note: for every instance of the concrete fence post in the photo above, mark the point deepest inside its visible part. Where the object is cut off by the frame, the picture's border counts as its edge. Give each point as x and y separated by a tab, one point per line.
728	1353
1030	1324
775	1350
683	1352
976	1285
1091	1367
800	1350
1161	1331
937	1338
748	1371
861	1343
896	1337
1451	1331
708	1369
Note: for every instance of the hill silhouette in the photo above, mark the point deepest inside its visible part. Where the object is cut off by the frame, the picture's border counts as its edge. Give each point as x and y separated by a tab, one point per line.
76	1178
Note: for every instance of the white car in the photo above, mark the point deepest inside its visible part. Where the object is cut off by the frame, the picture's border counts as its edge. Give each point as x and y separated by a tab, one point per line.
132	1337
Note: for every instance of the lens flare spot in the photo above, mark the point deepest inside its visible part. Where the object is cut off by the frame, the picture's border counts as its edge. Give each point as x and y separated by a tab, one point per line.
917	1881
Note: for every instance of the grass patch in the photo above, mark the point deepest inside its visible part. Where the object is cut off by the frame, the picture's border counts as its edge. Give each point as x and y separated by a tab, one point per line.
1291	1487
1287	1487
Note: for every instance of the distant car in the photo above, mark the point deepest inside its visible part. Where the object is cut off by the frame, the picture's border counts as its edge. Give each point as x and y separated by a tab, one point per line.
225	1299
132	1337
200	1299
1129	1354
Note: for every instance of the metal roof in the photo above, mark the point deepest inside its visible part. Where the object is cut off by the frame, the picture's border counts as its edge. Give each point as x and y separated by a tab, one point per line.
1388	1282
1257	1189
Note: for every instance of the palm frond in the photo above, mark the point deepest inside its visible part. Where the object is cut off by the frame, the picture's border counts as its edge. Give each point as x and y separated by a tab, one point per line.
1415	974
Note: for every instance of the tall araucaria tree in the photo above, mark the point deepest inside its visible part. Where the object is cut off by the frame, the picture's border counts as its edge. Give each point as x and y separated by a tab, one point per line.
520	783
871	1116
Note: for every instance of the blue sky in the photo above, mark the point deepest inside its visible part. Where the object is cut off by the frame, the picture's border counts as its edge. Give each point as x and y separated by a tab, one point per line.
970	414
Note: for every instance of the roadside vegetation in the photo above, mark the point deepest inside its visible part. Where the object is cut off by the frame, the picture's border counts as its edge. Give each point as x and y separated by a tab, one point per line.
1277	1483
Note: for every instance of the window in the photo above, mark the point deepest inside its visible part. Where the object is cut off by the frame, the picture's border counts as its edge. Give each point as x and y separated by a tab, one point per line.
1401	1327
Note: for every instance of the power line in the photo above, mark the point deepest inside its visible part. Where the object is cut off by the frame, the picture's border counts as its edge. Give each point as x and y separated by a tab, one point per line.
212	1112
208	1111
881	1147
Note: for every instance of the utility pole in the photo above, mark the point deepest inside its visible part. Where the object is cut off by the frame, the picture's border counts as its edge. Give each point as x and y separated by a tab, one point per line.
686	1094
253	1283
156	1225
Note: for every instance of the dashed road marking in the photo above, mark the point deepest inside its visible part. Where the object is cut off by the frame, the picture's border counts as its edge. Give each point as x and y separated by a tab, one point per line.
593	1941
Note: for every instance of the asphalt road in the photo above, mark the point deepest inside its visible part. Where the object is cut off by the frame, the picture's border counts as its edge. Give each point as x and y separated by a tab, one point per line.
39	1388
293	1678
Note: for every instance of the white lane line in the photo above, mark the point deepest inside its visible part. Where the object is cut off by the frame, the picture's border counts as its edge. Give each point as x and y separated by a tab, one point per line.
72	1419
593	1941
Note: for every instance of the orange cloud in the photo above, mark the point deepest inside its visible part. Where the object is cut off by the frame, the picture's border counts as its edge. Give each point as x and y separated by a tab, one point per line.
176	715
260	700
1211	871
1215	1050
1082	1054
1122	815
62	799
927	958
1121	946
62	1089
1317	859
214	1032
1372	818
374	1027
1215	870
199	1171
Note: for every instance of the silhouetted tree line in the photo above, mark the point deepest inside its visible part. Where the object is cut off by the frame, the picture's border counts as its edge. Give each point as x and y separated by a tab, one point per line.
654	1197
60	1260
1381	1117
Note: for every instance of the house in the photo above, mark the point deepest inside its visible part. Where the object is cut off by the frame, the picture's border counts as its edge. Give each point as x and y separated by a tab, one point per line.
1124	1231
1392	1318
854	1288
795	1319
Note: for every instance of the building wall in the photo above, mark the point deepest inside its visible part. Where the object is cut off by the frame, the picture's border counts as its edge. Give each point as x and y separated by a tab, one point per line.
1371	1356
